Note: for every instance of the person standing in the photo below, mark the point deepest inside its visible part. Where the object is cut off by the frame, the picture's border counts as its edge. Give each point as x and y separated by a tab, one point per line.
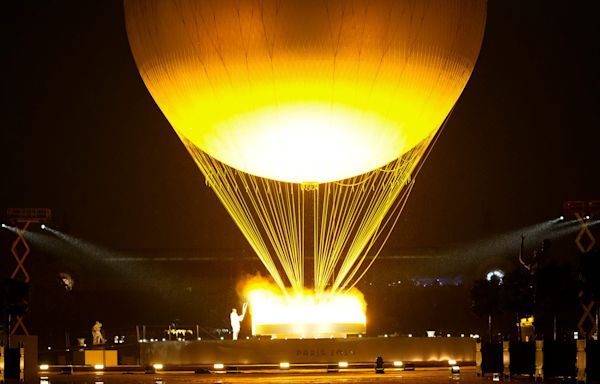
236	320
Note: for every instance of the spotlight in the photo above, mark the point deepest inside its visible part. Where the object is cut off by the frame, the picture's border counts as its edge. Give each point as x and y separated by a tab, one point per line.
44	367
495	274
4	225
157	366
455	369
99	367
587	217
343	364
561	218
218	366
43	226
398	364
284	365
451	362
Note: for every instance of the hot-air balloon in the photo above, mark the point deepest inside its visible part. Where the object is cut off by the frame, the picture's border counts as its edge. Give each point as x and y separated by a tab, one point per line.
309	120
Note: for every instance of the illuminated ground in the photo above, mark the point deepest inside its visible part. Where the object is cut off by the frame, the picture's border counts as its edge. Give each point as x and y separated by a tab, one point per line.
419	376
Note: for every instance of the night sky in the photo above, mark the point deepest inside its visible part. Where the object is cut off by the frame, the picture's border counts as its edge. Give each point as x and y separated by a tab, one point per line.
82	135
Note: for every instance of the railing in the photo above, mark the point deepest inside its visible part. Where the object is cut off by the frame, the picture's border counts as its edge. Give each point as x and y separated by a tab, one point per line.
592	349
570	359
522	358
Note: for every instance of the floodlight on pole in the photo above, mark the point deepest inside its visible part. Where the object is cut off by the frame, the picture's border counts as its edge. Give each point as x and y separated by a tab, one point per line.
584	211
22	218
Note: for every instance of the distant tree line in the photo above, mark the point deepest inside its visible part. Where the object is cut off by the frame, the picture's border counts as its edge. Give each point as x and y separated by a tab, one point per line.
542	286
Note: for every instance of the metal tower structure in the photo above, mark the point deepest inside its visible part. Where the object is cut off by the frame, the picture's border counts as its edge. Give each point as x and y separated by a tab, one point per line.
585	212
22	218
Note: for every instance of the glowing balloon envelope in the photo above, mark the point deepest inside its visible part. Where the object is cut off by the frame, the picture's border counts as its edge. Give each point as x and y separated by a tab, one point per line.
305	91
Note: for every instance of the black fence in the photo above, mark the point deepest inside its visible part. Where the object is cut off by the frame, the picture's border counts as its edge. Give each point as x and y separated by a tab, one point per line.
593	359
491	358
560	359
12	358
522	358
546	359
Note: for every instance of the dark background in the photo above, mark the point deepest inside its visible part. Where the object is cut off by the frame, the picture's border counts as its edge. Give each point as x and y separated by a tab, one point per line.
81	135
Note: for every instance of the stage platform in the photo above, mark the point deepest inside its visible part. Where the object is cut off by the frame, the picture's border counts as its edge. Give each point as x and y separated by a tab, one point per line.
422	351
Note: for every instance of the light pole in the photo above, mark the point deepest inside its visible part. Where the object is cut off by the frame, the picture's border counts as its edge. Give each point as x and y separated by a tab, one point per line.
22	218
584	212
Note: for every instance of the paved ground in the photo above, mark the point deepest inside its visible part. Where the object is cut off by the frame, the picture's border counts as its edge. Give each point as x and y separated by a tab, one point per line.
423	376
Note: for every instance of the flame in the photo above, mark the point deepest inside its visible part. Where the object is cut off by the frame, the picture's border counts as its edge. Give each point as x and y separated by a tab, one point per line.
303	313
